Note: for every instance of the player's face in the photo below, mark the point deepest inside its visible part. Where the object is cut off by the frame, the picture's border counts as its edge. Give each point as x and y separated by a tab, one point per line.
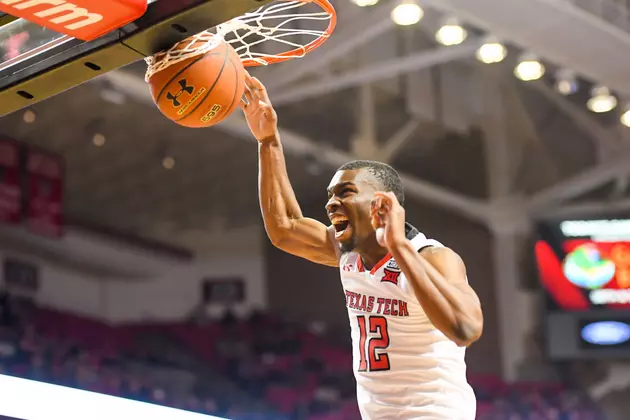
349	196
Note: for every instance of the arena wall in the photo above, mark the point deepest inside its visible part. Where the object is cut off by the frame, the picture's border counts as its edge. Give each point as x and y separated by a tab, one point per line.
122	292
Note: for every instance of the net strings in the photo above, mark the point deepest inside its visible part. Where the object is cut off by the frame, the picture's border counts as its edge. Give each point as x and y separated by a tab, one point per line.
246	32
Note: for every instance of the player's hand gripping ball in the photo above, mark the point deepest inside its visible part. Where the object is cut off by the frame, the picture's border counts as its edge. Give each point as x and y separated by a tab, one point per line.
259	113
200	91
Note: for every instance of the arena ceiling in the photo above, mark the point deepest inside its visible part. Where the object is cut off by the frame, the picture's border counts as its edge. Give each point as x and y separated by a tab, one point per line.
461	132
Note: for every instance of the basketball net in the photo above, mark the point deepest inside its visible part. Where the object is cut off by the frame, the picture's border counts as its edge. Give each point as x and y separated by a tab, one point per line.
266	24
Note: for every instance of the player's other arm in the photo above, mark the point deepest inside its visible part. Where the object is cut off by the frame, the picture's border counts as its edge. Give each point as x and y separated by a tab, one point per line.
438	279
286	227
436	275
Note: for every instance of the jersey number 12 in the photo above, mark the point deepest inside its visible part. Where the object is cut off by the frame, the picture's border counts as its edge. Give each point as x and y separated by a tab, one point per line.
371	356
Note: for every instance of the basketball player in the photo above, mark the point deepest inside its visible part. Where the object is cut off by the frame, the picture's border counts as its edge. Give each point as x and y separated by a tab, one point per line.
411	310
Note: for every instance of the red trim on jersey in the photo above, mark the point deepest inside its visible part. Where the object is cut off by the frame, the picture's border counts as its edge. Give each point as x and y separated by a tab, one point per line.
361	267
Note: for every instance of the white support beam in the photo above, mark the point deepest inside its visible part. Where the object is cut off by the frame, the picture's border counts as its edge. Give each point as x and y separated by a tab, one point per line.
367	113
296	144
514	305
420	86
364	143
613	154
621	187
581	183
368	25
508	223
379	71
523	131
607	141
398	140
498	147
299	145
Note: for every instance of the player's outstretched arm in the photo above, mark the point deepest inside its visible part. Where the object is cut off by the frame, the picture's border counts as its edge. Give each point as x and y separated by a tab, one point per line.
286	227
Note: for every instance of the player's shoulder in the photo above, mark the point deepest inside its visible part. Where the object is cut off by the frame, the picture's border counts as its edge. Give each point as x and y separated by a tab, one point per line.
432	249
447	262
442	256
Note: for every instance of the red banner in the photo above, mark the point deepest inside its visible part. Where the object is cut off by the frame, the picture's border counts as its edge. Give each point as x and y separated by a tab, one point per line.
45	173
10	185
82	19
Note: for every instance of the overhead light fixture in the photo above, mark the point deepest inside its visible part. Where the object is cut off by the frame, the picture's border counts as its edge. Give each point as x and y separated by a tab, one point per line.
601	100
529	68
98	140
625	117
364	3
407	13
168	162
451	33
29	116
491	52
566	82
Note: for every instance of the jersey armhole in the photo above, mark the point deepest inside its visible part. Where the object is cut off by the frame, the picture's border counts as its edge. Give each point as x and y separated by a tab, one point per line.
432	246
424	247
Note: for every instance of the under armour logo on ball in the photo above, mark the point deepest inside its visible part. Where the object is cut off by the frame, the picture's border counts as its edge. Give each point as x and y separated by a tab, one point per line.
185	88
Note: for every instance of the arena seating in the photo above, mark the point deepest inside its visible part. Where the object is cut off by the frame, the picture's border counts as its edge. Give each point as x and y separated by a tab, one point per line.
259	369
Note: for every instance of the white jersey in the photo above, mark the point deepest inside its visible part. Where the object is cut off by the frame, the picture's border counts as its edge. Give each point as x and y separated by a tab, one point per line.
405	367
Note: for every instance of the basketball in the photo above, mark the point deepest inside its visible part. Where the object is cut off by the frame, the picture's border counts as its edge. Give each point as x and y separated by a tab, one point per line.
202	90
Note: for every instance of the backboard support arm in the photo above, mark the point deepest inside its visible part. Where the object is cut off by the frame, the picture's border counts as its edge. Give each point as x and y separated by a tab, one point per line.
61	68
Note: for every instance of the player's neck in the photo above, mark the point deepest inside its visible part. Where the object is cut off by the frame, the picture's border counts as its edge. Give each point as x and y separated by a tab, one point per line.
371	253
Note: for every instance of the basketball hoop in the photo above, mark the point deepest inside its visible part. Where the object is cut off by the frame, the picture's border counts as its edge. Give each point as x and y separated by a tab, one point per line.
275	22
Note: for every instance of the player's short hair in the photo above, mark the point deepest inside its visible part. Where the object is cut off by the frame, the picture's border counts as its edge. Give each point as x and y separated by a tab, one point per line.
385	174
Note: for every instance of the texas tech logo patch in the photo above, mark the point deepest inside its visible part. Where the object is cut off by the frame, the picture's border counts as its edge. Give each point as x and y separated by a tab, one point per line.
391	272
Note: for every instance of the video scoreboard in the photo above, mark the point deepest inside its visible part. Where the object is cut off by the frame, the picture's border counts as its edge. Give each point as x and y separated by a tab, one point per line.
584	268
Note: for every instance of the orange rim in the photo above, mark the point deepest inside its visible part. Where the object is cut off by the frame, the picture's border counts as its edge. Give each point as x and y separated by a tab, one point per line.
313	45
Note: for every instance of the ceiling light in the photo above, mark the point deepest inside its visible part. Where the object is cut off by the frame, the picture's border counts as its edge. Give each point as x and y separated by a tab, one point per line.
364	3
566	82
601	100
491	52
98	140
168	162
407	13
451	33
529	68
625	118
29	116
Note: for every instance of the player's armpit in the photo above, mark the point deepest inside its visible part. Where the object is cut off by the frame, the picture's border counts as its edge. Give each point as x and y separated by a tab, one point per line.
309	239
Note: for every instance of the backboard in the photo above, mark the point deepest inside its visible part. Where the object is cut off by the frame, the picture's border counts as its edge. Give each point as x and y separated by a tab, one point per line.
37	63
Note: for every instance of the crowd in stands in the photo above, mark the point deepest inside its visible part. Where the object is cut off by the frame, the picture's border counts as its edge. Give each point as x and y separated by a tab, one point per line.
255	369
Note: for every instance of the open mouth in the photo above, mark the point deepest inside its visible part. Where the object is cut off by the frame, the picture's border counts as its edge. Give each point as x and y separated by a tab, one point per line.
342	226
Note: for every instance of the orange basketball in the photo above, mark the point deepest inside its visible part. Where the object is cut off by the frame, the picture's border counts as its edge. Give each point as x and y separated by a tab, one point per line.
202	90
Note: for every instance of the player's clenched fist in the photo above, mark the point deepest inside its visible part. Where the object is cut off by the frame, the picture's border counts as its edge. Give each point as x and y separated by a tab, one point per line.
388	219
261	117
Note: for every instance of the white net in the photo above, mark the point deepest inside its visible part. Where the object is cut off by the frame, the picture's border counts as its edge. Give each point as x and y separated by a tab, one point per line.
274	32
